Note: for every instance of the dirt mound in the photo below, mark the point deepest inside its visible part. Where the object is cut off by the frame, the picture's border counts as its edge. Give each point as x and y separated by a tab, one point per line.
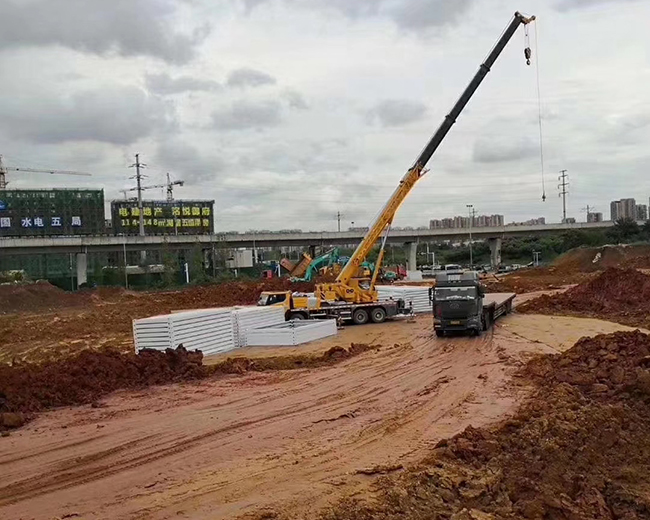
590	259
579	449
227	294
529	280
621	295
37	297
91	375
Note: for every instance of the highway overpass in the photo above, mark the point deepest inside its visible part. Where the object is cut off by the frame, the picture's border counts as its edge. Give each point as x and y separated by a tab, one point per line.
91	244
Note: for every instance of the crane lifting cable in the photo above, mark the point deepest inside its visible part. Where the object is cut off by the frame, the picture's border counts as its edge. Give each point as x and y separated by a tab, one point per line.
528	54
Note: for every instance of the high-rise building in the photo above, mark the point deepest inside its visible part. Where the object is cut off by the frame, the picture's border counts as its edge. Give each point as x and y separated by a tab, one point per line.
641	212
594	217
629	208
624	208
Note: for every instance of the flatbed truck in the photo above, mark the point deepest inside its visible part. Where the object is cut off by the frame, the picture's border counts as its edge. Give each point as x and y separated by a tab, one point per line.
461	305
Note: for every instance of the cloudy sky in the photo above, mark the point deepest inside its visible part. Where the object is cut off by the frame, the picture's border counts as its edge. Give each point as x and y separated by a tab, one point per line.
288	111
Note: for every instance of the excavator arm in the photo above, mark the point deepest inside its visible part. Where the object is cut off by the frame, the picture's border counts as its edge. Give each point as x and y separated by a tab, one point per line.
346	288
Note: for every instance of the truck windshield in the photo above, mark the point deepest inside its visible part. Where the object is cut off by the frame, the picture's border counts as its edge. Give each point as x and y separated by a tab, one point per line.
271	299
455	293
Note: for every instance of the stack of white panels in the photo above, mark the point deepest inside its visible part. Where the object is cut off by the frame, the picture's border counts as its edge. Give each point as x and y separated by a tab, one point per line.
417	295
209	330
291	333
250	318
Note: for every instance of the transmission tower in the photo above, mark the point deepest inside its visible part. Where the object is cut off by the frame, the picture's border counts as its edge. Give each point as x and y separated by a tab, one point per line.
562	186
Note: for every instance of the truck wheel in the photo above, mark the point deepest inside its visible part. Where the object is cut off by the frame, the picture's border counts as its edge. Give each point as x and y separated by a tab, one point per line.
297	316
476	332
440	333
360	316
378	315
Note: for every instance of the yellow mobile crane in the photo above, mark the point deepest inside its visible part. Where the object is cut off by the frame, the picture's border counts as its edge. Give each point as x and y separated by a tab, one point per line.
353	297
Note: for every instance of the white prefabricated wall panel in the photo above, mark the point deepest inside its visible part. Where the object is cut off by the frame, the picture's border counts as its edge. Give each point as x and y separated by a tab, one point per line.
418	295
209	330
291	333
249	318
212	330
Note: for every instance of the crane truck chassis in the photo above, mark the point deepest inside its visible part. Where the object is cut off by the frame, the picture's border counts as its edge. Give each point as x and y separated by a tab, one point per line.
301	307
461	305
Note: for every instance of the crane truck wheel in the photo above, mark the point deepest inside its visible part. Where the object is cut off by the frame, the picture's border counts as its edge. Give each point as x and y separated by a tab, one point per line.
360	316
378	315
297	316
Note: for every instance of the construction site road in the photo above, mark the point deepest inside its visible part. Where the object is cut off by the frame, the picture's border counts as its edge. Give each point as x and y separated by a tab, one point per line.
274	442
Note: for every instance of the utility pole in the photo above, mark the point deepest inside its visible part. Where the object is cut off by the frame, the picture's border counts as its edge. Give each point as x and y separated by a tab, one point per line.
138	177
470	209
564	184
338	218
589	210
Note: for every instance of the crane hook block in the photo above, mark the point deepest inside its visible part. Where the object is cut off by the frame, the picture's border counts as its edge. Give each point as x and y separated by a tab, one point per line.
528	53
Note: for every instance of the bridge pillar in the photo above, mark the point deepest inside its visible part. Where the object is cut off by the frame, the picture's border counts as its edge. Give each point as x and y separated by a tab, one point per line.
412	259
82	269
495	252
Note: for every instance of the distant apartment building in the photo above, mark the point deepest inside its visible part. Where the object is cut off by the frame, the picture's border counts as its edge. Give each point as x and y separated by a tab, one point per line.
569	220
624	208
594	217
642	212
532	222
460	222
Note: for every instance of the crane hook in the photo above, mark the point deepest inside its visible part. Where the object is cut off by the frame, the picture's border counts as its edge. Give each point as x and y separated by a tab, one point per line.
527	52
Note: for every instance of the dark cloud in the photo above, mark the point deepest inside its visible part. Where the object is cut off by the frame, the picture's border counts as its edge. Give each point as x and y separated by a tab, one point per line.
248	115
420	14
407	14
397	112
186	162
498	149
164	84
246	77
123	27
295	100
568	5
120	115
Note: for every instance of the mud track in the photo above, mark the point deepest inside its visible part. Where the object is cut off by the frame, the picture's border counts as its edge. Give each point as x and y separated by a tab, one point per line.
287	442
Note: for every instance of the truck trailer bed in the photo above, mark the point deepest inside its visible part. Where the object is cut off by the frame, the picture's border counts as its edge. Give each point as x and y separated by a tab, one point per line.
497	299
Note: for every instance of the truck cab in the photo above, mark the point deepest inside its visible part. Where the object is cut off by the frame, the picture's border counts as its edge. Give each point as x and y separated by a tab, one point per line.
457	302
296	306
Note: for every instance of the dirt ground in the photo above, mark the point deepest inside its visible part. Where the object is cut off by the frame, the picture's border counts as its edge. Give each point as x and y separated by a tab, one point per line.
273	442
63	324
620	295
577	449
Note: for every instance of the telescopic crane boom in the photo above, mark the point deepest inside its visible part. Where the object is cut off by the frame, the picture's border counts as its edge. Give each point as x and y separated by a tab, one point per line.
347	287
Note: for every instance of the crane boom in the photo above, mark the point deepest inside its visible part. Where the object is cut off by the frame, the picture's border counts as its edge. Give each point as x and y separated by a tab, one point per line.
169	185
344	288
5	169
52	172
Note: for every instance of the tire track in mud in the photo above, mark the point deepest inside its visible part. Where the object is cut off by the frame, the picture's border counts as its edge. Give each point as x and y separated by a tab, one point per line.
277	440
